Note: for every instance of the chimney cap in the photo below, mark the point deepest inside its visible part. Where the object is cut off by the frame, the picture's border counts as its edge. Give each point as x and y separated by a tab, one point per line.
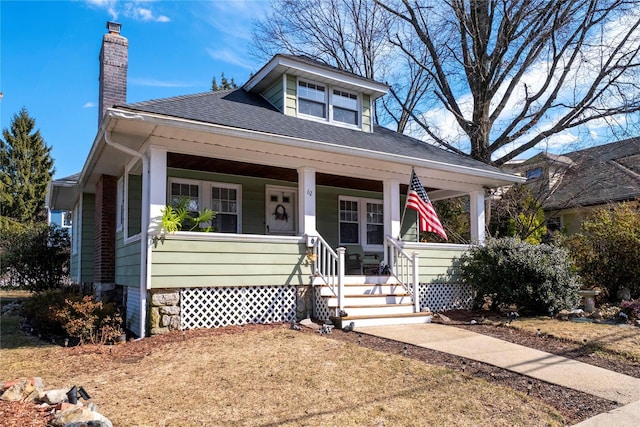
113	27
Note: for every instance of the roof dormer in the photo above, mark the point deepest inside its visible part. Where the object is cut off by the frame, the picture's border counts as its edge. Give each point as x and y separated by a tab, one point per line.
304	88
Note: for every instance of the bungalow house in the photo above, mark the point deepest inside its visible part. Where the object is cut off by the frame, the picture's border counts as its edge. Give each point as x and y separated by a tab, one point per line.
308	190
572	185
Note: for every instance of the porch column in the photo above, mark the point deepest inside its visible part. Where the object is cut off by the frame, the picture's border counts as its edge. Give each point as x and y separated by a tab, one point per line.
157	181
154	199
307	200
476	212
391	203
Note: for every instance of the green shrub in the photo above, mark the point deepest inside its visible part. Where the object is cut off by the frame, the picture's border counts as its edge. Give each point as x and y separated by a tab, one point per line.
40	310
607	251
535	278
34	257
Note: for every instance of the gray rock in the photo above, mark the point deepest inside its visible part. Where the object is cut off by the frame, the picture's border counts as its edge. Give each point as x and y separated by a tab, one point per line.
165	298
308	323
171	310
53	397
22	391
77	416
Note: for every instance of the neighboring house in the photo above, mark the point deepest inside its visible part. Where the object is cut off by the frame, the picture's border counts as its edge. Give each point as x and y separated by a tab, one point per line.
297	172
572	185
62	218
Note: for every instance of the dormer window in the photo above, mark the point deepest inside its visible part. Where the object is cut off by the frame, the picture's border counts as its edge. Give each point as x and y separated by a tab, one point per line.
312	99
345	107
327	103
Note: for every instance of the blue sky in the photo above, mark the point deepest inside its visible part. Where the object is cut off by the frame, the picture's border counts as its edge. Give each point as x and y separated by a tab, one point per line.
49	59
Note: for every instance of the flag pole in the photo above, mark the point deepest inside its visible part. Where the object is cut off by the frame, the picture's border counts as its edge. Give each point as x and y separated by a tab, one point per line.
405	206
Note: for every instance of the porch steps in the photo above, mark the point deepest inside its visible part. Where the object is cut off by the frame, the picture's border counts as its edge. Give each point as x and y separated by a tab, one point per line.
373	301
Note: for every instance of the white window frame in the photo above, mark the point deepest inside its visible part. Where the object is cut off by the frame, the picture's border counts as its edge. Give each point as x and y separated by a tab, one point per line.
362	221
205	195
238	188
76	233
358	109
125	223
328	90
120	204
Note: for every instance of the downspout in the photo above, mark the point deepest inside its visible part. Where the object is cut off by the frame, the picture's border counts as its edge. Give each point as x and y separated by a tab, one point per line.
144	254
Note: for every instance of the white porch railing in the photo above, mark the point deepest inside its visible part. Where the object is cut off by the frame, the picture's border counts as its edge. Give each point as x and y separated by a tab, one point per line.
404	268
329	267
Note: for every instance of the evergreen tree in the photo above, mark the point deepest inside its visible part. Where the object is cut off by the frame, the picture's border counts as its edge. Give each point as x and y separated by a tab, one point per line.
26	168
225	84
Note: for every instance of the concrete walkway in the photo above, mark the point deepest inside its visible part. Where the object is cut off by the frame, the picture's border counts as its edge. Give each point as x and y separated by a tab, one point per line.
527	361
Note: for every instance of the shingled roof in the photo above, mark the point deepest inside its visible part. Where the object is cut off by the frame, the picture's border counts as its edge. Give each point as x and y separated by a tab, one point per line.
600	174
243	110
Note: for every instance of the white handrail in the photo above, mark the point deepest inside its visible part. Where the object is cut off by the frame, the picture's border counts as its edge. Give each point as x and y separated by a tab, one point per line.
404	268
329	266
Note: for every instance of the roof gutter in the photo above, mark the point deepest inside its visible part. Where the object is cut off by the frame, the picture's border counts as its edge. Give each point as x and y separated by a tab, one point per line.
145	247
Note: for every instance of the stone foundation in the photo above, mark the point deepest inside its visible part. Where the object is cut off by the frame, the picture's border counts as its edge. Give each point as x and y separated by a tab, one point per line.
164	315
304	302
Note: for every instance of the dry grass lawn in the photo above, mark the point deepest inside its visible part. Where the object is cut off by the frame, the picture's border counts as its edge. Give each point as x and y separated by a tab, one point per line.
616	339
267	376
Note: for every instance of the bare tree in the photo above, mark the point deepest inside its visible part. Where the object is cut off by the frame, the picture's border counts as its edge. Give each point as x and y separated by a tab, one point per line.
513	73
351	35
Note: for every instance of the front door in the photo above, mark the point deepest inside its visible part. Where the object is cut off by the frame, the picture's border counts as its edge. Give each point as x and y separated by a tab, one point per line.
281	212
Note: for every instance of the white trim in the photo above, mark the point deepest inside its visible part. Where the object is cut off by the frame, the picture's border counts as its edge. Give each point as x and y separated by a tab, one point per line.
328	104
186	124
229	237
307	201
238	188
134	237
205	195
477	216
373	88
120	205
362	222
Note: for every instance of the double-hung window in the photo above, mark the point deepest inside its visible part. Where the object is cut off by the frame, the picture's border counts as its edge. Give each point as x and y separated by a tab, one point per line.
188	192
224	200
327	103
312	99
345	107
361	222
349	222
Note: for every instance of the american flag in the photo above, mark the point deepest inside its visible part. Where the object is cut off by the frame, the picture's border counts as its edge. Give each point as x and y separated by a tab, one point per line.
418	200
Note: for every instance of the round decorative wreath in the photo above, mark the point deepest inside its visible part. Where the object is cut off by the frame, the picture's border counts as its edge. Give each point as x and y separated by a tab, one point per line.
281	213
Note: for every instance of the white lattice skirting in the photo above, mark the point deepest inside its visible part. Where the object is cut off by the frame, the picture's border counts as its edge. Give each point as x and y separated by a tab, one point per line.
445	296
321	310
216	307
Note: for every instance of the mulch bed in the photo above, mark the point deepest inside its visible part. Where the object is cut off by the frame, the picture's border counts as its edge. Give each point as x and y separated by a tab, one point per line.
575	406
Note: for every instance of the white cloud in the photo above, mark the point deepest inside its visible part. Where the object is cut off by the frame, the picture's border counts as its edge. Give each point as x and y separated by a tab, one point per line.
231	57
139	10
89	105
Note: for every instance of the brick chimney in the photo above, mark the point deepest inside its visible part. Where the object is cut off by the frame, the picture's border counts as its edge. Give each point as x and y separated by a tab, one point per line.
113	69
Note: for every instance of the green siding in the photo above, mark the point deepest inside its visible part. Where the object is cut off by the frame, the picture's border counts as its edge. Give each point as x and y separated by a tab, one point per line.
253	194
291	106
127	261
366	113
75	274
134	214
275	95
87	240
438	265
196	263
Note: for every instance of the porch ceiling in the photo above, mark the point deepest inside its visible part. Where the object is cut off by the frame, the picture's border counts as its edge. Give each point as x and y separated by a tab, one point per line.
207	164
